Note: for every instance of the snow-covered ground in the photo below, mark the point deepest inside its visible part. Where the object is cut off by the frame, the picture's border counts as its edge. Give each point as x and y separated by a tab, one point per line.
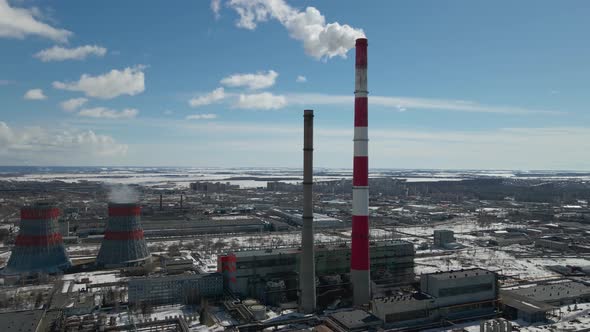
97	277
495	259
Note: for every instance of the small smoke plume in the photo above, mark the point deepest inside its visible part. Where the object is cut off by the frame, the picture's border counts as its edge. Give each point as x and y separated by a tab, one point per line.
123	194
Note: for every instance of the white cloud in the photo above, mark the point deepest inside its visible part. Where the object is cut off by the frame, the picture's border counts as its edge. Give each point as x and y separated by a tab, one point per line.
261	101
256	81
301	79
210	98
409	103
106	113
168	112
57	53
320	39
216	7
42	146
21	22
73	104
201	117
35	94
129	81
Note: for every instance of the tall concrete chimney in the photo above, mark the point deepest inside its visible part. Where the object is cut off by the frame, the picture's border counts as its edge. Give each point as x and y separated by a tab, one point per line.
359	260
307	296
160	202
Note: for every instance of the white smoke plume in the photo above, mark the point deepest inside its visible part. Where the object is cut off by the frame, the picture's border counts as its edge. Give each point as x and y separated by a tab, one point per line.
321	40
123	194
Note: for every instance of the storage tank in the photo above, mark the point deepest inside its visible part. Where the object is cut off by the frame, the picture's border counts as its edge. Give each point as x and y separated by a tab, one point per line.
258	311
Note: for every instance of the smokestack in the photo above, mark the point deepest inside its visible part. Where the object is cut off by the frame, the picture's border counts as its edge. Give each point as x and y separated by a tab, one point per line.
307	298
181	201
160	202
359	260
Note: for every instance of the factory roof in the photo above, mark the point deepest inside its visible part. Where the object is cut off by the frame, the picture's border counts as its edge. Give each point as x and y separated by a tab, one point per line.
319	247
356	319
555	291
458	274
22	321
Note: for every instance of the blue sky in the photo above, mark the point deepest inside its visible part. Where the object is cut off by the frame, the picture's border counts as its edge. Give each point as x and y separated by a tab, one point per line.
453	84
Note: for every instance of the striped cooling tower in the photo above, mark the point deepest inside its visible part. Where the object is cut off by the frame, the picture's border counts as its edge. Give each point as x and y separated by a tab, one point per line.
39	246
123	243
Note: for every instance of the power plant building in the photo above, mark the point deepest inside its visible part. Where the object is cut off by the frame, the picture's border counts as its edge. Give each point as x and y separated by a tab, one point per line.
183	288
443	295
248	273
123	243
39	245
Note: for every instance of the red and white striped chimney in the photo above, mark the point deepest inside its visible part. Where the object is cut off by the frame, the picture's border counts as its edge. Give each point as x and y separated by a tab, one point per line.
359	260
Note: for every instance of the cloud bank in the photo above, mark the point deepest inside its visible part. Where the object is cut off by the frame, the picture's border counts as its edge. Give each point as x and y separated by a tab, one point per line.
21	22
58	53
260	80
106	113
129	81
43	146
35	94
207	99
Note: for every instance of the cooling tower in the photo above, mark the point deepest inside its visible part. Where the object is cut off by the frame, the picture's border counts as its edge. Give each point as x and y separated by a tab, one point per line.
39	246
123	243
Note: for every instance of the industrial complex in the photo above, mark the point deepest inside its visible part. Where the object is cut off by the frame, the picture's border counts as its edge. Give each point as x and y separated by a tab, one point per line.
462	251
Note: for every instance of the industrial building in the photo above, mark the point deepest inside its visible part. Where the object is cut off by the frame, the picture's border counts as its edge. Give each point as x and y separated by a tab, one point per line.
186	288
39	247
295	217
249	273
123	243
443	237
450	295
218	224
533	302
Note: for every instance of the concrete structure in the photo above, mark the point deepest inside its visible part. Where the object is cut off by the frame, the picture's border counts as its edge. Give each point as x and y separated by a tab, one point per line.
39	245
453	287
443	237
22	321
443	295
552	243
247	272
359	261
307	296
212	187
64	227
353	320
531	303
123	243
495	325
295	217
184	288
